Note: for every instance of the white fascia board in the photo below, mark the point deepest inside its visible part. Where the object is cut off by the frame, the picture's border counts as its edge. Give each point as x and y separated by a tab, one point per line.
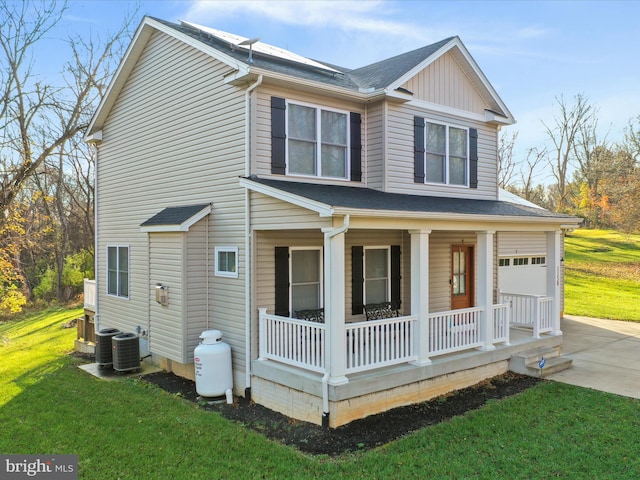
439	216
128	62
449	111
322	209
456	42
183	227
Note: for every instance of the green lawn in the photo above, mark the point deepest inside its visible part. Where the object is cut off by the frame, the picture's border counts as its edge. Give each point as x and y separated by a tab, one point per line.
130	430
602	274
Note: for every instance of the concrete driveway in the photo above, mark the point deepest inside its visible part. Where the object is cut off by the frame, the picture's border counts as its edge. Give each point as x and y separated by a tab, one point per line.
605	354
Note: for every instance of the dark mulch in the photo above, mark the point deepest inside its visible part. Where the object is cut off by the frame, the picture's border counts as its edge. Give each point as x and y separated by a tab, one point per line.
358	435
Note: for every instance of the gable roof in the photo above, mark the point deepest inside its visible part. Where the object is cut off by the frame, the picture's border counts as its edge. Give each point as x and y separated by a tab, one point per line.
329	200
176	219
379	79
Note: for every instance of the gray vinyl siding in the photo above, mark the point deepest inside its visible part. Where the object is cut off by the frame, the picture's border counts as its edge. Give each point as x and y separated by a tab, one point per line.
175	136
400	149
440	266
196	262
265	261
166	330
262	165
375	147
522	243
268	213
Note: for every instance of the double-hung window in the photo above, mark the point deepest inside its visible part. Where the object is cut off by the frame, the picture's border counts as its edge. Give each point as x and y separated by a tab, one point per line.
306	279
118	270
317	141
376	275
446	154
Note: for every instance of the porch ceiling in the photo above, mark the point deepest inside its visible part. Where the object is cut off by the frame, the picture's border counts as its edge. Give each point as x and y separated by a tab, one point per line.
359	201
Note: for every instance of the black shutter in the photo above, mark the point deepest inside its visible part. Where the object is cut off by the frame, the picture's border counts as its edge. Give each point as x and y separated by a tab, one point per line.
356	147
357	280
282	281
395	275
473	157
418	150
278	135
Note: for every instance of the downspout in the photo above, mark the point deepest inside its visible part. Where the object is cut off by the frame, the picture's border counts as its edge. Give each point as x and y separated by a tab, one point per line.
248	241
325	379
96	315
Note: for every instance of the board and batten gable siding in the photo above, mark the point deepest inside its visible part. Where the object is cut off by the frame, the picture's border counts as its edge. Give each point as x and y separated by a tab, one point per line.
400	151
444	83
175	136
261	163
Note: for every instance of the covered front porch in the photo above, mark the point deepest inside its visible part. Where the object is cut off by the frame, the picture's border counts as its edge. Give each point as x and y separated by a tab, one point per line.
339	367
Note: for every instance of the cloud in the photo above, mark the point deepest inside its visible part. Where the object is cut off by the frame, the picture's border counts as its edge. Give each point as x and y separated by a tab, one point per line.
349	16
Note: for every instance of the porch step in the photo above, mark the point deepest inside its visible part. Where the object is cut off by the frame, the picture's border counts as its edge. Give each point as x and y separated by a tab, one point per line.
528	362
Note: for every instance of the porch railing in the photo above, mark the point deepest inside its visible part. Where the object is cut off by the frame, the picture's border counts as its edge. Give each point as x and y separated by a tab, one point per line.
534	311
295	342
90	294
379	343
454	330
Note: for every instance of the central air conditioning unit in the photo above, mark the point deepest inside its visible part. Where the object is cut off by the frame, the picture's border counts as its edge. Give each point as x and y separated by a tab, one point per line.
126	352
104	355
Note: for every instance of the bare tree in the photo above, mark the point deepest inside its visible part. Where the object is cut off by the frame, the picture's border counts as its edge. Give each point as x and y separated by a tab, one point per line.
564	136
37	119
506	162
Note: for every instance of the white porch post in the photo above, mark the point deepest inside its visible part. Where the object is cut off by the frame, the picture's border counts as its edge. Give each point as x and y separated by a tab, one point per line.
334	285
553	278
420	293
485	286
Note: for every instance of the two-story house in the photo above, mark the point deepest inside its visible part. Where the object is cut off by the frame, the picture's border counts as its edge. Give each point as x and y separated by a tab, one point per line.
340	227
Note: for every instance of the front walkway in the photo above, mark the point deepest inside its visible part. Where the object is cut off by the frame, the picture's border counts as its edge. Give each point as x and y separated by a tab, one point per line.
605	354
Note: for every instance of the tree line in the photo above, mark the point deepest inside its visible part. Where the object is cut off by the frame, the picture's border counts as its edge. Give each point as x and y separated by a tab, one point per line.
46	171
591	177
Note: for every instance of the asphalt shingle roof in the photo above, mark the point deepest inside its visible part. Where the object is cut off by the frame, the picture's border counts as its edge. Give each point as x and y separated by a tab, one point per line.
337	196
174	215
377	75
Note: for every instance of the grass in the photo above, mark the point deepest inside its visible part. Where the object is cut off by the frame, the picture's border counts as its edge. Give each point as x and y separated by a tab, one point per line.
131	430
602	274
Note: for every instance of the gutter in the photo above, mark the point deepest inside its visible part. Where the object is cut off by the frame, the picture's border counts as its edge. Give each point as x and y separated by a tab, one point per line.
248	242
325	378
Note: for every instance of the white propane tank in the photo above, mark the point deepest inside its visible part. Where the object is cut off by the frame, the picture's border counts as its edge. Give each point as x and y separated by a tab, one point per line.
212	359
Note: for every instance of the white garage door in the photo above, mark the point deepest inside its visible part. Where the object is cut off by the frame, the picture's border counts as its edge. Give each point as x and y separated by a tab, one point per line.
523	274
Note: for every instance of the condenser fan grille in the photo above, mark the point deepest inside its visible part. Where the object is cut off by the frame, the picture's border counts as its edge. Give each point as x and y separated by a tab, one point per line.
126	352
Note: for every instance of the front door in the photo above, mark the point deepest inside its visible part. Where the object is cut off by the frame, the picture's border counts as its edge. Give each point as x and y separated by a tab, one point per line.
461	276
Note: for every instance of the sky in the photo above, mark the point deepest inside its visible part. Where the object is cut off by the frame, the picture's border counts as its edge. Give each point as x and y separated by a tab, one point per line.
532	52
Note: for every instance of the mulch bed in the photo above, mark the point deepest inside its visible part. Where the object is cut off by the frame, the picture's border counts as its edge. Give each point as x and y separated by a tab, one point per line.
358	435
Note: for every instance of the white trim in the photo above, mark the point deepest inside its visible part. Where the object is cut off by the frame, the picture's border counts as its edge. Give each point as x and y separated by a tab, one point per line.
183	227
320	273
130	58
447	168
226	273
387	248
118	247
318	140
321	209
